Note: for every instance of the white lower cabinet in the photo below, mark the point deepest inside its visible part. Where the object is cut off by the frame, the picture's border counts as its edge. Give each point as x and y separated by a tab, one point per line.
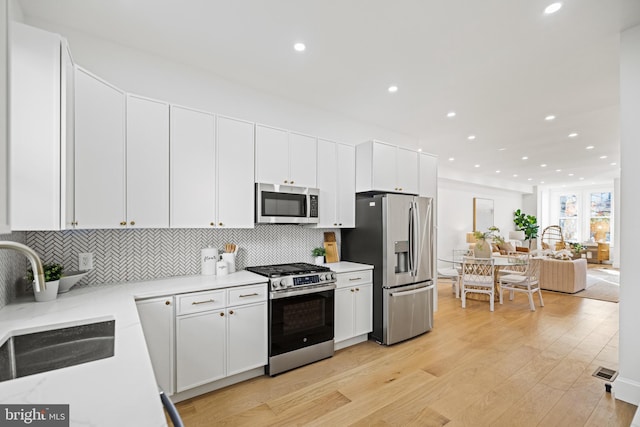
353	309
156	316
219	334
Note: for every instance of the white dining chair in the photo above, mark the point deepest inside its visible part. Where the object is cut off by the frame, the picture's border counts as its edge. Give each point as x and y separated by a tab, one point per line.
453	272
477	277
528	282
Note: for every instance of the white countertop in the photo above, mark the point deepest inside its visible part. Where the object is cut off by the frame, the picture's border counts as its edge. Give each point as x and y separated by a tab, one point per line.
117	391
347	267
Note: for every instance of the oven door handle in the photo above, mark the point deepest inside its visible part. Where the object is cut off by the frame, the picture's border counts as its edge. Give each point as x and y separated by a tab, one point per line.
296	292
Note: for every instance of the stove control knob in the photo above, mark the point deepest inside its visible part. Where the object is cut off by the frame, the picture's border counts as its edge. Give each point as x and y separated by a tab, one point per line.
274	284
331	276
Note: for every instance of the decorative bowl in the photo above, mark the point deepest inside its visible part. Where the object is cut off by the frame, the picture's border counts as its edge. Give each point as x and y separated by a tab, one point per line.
69	279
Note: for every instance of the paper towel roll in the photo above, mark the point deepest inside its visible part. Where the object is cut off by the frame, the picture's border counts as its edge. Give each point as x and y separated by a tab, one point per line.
208	260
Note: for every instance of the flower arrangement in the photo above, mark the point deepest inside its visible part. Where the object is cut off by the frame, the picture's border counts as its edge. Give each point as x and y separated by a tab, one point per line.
490	234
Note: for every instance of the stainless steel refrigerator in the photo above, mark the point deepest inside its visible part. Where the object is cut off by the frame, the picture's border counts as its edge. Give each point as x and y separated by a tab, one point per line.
394	233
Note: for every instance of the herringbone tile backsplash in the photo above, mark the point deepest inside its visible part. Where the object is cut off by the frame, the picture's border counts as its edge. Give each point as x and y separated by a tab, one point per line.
12	268
128	255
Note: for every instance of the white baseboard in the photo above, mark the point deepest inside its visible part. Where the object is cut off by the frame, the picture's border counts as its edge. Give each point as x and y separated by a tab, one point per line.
206	388
351	341
626	390
636	419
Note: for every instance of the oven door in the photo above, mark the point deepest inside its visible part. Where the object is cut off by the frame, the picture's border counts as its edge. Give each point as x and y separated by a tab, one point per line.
298	321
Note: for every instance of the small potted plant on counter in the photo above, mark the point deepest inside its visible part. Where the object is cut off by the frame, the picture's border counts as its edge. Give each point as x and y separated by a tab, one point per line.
318	253
52	274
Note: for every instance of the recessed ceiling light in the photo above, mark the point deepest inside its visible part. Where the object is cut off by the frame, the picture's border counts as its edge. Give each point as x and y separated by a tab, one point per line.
581	178
589	147
573	135
613	163
550	117
393	89
451	114
544	165
497	171
299	47
525	158
570	174
529	179
420	149
471	137
603	157
558	170
541	182
501	149
552	8
451	159
515	175
476	166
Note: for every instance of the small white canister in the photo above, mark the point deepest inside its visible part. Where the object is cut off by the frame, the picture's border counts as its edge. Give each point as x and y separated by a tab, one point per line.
208	260
230	259
222	268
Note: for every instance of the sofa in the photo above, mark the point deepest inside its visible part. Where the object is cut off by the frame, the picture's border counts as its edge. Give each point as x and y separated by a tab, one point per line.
563	276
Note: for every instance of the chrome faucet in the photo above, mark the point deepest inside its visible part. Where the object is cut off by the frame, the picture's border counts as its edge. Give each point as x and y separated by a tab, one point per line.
36	264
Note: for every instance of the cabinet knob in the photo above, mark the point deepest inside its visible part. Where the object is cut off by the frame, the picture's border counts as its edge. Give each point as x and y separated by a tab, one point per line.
74	223
352	290
400	188
132	223
292	182
357	289
167	303
213	224
286	181
340	224
221	314
123	222
335	223
230	311
220	224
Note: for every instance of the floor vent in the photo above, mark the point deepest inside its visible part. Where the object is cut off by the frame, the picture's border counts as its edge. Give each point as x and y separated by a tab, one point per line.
605	374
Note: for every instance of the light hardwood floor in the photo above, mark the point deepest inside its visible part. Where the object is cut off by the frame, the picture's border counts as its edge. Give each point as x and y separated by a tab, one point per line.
512	367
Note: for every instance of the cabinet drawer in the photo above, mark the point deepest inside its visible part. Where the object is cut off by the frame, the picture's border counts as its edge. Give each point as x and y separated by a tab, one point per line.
354	278
247	294
200	301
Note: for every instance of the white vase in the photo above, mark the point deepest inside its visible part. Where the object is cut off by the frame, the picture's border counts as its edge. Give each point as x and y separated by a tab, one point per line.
48	294
482	249
319	260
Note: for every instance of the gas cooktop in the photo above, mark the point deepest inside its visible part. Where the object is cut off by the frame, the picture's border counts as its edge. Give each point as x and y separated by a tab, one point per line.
280	270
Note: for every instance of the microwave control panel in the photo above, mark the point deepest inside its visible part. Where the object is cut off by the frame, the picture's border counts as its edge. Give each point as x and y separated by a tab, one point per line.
313	206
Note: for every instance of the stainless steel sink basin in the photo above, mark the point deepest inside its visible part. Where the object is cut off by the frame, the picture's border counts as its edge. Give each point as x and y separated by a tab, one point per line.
33	353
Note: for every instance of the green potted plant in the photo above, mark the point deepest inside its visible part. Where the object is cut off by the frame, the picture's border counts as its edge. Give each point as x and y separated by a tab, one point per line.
318	253
482	249
52	273
526	223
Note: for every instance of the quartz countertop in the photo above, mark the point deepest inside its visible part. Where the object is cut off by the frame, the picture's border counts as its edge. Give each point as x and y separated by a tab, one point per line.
347	267
119	390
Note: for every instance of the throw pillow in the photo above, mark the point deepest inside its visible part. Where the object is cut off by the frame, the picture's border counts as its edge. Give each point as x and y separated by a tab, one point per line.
506	246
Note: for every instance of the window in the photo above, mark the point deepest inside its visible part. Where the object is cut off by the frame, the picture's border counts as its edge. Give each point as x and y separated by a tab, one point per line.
600	217
568	217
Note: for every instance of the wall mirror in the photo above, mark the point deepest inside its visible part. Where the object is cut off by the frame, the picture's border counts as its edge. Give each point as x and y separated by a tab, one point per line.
482	214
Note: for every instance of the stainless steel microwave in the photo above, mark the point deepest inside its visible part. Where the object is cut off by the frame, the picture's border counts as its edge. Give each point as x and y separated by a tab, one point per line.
286	204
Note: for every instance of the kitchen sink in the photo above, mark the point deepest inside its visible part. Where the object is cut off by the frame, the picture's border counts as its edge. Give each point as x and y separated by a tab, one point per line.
33	353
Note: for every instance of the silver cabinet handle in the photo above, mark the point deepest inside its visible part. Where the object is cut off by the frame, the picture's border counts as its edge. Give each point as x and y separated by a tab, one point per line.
356	278
203	302
249	295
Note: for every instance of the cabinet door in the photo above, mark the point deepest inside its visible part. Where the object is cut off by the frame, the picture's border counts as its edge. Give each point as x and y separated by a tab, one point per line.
407	170
147	163
4	109
156	317
327	183
35	129
200	349
192	168
302	160
343	314
247	338
428	175
100	155
384	167
346	186
235	173
363	300
272	155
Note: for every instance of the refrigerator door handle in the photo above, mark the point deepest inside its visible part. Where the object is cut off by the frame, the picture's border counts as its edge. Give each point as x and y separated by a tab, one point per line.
416	238
411	254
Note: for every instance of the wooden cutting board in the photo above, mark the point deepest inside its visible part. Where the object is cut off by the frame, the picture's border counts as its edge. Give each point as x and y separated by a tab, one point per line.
331	247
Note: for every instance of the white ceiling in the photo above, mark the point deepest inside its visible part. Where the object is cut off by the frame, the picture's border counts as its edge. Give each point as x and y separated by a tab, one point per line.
501	65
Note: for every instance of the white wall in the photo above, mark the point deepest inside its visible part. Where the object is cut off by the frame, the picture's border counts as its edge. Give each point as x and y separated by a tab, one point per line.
627	384
455	212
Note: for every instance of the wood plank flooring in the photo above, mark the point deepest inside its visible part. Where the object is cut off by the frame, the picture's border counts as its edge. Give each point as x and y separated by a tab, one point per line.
512	367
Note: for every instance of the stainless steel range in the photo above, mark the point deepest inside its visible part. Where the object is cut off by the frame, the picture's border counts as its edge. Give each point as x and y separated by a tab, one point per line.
301	313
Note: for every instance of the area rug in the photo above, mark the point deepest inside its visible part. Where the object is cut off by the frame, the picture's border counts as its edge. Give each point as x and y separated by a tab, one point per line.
602	284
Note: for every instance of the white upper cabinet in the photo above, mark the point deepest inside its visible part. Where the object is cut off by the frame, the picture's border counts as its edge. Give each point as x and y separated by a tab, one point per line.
428	175
236	186
4	119
285	158
385	167
193	177
100	153
336	181
147	163
41	130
